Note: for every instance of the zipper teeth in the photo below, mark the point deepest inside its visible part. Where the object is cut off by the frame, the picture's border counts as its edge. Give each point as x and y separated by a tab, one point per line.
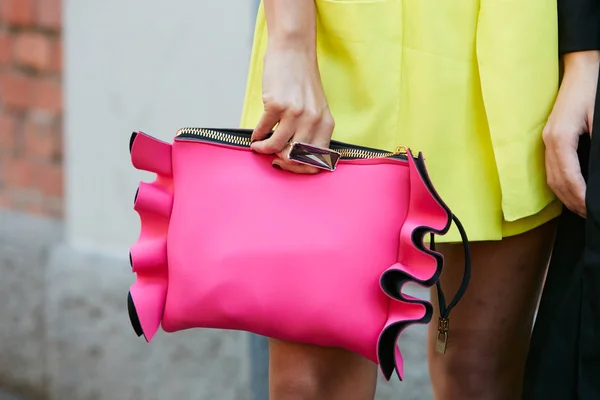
360	153
229	138
225	137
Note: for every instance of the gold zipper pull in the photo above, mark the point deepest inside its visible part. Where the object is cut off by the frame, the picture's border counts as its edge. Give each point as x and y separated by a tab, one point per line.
442	336
401	150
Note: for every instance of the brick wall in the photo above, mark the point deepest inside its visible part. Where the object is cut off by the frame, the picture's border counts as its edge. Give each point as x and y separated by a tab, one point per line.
31	176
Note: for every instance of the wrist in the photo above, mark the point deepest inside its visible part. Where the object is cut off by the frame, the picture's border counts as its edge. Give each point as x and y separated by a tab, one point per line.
292	40
582	62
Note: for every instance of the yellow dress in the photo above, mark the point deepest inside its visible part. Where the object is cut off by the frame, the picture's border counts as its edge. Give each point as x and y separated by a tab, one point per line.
470	83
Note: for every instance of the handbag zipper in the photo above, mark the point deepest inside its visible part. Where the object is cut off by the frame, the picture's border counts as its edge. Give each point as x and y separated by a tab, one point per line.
241	138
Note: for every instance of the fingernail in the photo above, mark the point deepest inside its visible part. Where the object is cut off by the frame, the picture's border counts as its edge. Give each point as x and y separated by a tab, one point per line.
275	165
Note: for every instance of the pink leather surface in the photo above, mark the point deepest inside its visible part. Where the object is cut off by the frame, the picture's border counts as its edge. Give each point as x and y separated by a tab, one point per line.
149	254
229	242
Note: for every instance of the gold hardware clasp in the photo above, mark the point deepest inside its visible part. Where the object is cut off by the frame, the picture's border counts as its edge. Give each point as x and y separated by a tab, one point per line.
401	150
442	336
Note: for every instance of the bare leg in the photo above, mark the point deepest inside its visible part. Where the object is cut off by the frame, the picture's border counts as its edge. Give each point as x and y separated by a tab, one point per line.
491	327
304	372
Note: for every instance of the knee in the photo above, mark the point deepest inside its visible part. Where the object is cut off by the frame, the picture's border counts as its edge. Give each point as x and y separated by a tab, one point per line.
472	379
296	385
312	373
469	376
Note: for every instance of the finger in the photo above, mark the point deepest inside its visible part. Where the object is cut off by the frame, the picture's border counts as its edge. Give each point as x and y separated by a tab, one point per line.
557	185
591	121
283	161
294	167
568	181
577	191
316	128
304	133
555	179
278	140
323	131
571	170
310	130
265	126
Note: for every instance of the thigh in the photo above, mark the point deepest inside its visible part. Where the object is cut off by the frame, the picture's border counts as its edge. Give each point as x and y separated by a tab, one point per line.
491	327
305	372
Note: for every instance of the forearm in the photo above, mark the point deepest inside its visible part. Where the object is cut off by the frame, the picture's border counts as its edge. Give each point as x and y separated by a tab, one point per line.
291	23
581	62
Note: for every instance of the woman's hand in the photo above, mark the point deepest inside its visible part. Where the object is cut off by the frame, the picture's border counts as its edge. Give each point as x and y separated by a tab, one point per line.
572	116
295	105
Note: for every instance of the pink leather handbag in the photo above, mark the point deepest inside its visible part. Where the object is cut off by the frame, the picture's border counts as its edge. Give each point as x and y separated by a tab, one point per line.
229	242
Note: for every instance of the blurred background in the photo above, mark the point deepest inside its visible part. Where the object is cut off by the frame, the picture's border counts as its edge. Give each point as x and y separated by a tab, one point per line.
76	78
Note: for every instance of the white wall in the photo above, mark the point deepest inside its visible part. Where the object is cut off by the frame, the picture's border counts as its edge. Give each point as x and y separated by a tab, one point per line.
149	65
